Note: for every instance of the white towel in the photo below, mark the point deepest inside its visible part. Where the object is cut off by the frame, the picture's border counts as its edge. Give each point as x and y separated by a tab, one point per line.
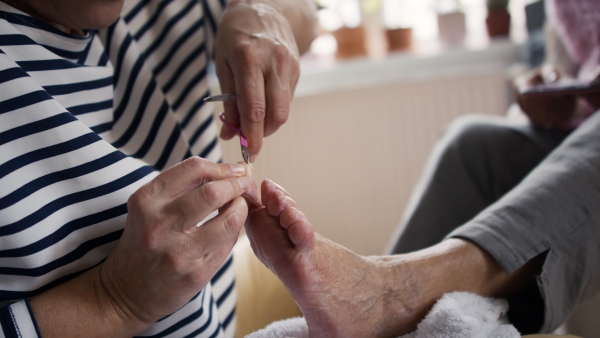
455	315
287	328
463	314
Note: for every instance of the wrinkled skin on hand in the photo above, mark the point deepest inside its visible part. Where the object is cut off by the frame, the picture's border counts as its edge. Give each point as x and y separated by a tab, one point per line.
163	258
593	98
257	58
252	196
553	110
546	111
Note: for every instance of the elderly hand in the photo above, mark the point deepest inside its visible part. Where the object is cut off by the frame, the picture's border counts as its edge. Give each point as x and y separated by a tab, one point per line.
163	258
546	110
257	57
593	98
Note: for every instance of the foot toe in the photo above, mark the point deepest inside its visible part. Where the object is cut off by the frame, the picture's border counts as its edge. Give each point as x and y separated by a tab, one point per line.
302	235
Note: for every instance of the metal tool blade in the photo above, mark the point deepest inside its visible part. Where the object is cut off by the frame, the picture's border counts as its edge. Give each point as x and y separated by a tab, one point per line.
221	97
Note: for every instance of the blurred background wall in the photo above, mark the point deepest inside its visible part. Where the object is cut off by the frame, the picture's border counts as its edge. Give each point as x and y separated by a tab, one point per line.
370	105
359	134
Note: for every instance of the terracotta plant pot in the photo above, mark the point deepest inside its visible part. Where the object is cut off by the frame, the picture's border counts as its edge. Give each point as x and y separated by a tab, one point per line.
350	42
498	23
399	39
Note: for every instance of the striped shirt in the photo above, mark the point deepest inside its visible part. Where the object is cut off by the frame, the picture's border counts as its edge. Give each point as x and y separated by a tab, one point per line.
84	122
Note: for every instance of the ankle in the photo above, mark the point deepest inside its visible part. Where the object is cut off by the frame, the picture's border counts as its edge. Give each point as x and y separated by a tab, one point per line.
405	299
413	282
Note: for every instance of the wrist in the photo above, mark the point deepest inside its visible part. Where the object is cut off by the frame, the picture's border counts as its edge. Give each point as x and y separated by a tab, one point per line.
261	6
80	306
114	299
253	18
299	15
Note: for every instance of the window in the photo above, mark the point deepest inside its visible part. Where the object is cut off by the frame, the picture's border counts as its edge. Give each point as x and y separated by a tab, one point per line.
420	15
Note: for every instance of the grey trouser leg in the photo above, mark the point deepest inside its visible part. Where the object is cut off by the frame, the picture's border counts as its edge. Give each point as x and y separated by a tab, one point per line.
477	160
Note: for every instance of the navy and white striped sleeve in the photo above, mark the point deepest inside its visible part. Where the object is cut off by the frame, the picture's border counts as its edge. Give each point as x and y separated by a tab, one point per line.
17	320
213	9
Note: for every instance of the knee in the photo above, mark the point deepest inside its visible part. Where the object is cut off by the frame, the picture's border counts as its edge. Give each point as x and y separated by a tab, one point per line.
478	134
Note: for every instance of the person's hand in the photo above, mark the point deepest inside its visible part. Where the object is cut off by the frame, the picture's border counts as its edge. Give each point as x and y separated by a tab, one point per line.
546	110
164	258
252	196
593	98
257	58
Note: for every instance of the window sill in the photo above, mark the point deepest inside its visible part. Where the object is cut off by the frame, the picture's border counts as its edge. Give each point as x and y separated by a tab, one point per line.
324	74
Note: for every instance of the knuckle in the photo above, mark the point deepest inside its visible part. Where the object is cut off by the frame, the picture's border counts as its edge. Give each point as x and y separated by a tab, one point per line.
172	216
151	240
246	53
151	190
232	224
174	262
235	188
280	117
256	112
295	78
281	53
285	62
194	163
210	195
137	200
197	165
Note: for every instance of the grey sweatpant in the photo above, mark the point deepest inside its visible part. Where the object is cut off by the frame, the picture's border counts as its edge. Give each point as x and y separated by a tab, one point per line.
517	192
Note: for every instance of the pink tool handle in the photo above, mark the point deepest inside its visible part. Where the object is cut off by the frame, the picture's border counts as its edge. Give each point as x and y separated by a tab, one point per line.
243	140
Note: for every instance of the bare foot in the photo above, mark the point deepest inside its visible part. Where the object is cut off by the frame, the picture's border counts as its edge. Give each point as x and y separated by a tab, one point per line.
341	294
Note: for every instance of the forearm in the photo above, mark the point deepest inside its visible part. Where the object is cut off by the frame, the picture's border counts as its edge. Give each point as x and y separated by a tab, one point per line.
300	14
82	307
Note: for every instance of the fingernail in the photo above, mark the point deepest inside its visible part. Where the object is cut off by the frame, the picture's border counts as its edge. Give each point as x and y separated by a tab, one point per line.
277	186
238	169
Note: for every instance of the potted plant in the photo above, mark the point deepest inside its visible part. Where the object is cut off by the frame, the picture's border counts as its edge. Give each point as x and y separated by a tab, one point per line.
350	35
498	18
351	42
451	22
398	21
